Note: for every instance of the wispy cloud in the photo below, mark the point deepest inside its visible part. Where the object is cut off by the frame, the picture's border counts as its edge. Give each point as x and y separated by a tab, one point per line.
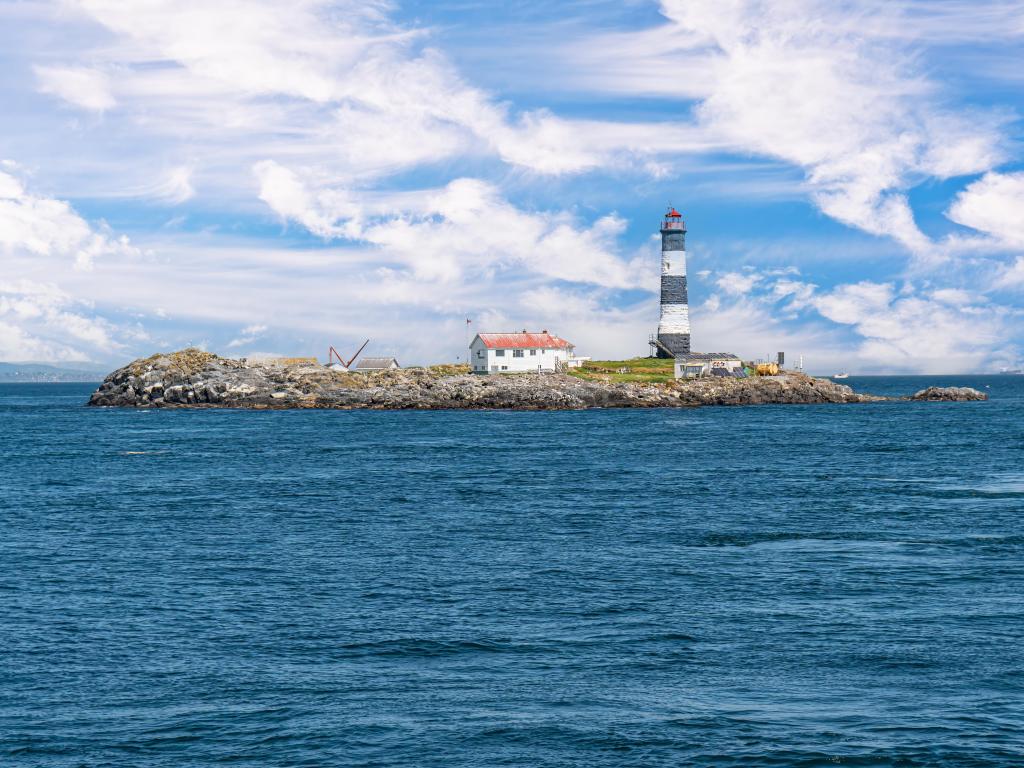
463	230
247	336
826	87
326	164
86	88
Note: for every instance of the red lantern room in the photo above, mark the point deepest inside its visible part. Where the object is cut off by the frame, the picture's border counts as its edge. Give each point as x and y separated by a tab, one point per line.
673	221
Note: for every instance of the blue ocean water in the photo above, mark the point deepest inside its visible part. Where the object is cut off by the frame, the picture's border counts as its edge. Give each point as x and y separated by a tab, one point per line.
766	586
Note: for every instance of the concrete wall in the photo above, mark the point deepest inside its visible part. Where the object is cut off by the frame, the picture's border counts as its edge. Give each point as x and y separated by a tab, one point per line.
705	365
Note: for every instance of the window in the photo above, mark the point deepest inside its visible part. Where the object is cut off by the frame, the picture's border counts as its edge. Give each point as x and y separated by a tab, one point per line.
499	352
480	353
517	353
533	353
504	367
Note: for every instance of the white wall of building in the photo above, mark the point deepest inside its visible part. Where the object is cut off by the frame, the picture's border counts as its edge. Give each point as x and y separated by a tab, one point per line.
486	360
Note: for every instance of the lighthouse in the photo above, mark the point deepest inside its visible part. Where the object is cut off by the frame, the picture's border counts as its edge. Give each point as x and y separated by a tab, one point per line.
674	325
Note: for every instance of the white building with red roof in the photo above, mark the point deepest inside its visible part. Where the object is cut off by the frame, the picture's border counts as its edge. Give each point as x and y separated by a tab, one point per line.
521	352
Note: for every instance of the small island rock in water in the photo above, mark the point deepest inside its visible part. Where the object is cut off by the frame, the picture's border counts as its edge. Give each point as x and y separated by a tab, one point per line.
193	378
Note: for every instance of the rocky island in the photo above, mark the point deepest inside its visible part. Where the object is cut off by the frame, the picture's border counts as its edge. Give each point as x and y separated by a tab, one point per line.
195	379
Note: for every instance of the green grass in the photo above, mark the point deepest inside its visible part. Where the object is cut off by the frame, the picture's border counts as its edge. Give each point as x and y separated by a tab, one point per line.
646	370
450	369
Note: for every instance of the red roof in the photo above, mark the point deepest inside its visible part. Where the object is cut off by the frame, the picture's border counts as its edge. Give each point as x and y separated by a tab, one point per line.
542	340
673	214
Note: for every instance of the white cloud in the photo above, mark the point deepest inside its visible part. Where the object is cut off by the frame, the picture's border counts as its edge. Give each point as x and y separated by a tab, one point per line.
463	229
340	87
947	331
801	81
45	226
248	335
1011	275
895	328
994	205
339	81
832	88
737	283
588	319
321	100
86	88
175	187
40	239
257	47
39	321
318	211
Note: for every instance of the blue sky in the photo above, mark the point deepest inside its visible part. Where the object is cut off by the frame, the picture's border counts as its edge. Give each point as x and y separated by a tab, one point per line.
272	178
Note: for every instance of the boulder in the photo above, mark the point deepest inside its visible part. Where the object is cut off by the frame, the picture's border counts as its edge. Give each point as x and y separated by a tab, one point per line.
950	394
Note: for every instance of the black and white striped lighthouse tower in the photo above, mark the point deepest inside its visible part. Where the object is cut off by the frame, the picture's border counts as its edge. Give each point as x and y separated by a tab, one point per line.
674	325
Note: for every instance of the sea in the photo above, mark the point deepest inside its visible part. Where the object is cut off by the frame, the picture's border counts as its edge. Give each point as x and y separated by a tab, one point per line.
725	586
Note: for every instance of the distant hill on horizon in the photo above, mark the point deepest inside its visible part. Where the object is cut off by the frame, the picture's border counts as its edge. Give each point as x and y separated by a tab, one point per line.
45	372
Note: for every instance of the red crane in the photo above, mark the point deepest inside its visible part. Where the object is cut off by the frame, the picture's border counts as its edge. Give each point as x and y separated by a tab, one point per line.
333	353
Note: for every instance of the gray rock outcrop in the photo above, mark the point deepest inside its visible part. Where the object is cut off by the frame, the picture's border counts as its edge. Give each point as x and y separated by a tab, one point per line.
949	394
192	378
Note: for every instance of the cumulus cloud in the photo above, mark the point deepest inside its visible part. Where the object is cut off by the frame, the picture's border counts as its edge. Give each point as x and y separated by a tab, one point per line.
897	327
596	325
44	226
319	211
41	239
909	330
737	283
994	205
39	321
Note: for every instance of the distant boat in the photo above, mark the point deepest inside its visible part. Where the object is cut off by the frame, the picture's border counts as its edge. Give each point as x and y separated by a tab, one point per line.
841	376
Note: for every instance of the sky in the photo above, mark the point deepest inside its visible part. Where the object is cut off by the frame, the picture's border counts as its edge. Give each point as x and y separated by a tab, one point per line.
273	178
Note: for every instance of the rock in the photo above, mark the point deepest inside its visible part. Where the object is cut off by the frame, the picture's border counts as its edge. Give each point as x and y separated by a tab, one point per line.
194	379
950	394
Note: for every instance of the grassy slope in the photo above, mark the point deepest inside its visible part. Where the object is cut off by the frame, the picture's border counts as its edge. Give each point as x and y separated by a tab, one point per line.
643	369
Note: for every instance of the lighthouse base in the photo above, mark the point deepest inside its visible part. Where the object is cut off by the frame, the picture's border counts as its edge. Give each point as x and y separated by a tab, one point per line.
677	343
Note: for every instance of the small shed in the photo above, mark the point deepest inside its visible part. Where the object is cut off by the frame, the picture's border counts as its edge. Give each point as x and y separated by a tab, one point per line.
698	364
367	364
